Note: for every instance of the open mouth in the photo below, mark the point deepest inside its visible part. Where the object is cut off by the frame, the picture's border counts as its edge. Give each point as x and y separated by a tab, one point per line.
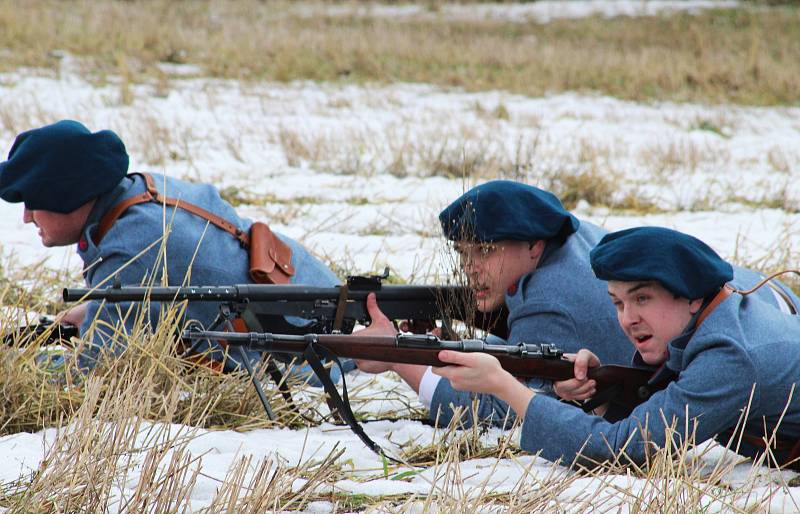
480	291
643	338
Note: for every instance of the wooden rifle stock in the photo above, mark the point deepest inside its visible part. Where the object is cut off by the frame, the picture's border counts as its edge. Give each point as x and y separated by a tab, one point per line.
631	385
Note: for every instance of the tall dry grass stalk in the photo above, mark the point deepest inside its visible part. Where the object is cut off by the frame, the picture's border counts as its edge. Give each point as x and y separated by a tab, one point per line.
89	466
36	398
739	55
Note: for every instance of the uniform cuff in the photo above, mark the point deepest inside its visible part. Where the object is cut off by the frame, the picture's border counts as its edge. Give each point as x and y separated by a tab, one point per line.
427	386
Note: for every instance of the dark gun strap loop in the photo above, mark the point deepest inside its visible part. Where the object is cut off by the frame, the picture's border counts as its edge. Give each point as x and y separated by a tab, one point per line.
341	307
606	395
341	403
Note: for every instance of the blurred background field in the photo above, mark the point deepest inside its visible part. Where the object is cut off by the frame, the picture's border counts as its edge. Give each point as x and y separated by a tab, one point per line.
743	52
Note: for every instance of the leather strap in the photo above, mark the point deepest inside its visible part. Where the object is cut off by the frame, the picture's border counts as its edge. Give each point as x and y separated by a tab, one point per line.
153	195
341	307
723	294
788	446
340	404
785	297
111	216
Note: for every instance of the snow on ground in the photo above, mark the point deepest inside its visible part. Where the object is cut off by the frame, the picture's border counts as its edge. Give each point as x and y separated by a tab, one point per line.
218	451
360	173
539	12
348	170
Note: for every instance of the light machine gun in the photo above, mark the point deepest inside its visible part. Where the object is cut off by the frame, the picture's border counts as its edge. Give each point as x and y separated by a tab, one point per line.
264	308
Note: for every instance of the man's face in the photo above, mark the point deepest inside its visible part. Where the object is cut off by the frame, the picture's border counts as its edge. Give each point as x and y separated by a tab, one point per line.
491	268
58	229
650	316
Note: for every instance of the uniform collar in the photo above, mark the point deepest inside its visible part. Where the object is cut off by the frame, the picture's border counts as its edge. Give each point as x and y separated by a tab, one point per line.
108	200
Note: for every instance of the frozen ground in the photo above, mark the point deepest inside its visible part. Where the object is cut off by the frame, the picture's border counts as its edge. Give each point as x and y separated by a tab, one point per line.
360	173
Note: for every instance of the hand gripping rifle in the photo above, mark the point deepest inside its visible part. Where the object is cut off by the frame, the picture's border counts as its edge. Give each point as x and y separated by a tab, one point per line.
631	385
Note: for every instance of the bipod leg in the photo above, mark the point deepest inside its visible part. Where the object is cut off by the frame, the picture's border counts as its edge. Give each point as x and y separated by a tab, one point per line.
256	384
283	387
249	367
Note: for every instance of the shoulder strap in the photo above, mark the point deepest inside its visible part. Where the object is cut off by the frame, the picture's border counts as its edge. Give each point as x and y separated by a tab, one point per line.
340	404
153	195
723	294
793	309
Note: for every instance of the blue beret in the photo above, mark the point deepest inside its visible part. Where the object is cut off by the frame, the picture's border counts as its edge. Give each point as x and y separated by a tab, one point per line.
503	209
683	264
62	166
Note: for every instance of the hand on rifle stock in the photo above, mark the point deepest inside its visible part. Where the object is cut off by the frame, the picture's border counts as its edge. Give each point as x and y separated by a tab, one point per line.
579	388
475	372
380	326
74	315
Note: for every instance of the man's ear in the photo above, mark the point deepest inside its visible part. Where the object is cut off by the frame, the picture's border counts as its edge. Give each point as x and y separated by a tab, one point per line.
694	305
536	249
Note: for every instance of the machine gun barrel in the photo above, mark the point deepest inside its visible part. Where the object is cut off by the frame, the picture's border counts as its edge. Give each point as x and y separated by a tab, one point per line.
257	293
261	302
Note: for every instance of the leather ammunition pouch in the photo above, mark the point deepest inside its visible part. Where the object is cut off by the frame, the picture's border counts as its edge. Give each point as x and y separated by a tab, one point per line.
270	258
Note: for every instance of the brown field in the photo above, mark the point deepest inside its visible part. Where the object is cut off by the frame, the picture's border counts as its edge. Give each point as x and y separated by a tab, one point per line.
748	55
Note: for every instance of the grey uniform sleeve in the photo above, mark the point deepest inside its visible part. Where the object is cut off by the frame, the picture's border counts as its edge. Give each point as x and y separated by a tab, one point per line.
711	391
111	320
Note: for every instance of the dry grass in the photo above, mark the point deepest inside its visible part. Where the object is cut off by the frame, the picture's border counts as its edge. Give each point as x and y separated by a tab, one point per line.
743	55
124	435
88	467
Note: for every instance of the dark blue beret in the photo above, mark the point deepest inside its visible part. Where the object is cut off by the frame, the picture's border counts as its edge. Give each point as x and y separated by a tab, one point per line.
503	209
683	264
62	166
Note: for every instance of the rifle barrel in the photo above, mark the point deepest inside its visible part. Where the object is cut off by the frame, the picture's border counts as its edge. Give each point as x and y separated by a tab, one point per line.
523	360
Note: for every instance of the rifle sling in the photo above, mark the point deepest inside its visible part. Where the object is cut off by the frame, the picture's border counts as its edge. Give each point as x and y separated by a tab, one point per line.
341	403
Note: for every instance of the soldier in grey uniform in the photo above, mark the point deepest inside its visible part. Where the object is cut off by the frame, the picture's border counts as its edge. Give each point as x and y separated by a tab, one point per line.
75	188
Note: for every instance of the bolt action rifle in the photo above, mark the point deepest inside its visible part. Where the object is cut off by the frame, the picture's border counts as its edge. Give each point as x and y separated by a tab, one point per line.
629	386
